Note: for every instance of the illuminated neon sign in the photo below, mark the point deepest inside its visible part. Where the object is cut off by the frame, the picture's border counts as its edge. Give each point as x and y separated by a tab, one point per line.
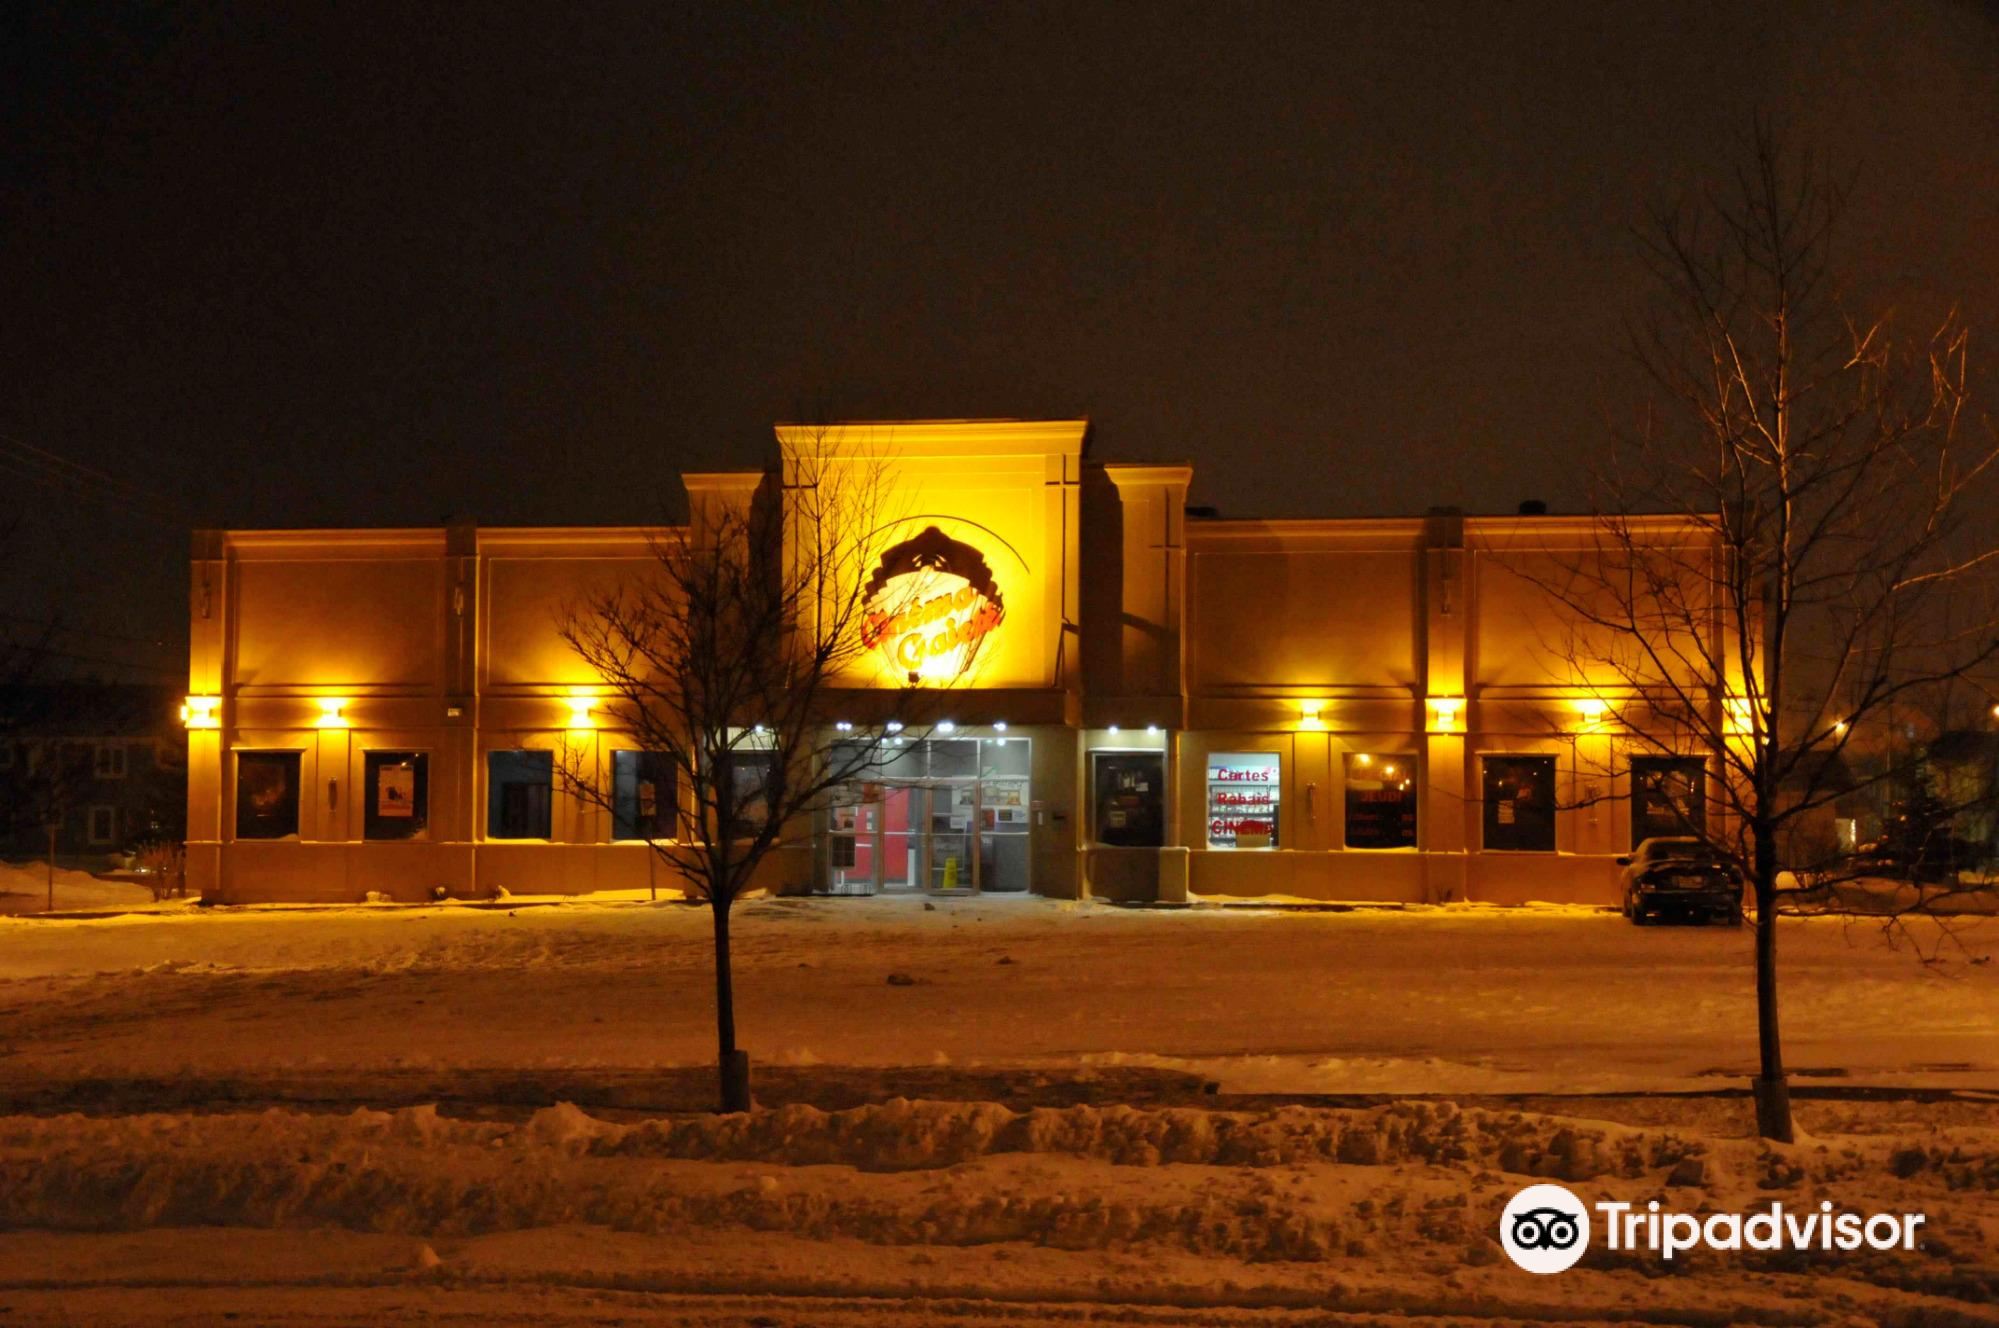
931	601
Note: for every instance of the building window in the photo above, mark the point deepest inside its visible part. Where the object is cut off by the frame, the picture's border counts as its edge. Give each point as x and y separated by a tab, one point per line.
750	778
644	795
1242	800
1381	800
267	794
1130	798
520	788
110	760
397	786
1668	797
103	825
1519	796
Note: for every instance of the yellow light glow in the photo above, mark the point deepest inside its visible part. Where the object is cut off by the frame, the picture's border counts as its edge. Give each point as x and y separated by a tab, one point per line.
201	712
1839	728
330	716
1741	716
1444	712
1363	759
579	710
1308	715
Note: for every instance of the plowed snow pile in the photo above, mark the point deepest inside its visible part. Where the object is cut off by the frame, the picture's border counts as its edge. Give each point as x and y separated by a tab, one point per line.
1391	1208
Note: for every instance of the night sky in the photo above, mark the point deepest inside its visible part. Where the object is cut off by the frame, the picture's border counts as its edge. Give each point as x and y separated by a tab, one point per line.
353	264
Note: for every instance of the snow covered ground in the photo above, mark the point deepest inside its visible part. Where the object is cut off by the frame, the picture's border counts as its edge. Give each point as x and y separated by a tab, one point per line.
1456	1000
249	1151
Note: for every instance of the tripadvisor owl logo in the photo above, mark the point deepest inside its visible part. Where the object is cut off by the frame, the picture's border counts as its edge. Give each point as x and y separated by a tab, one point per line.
1544	1229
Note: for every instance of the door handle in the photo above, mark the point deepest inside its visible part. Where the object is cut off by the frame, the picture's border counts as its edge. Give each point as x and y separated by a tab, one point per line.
1312	802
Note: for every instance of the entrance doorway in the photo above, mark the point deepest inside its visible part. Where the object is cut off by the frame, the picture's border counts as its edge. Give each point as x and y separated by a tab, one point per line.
946	817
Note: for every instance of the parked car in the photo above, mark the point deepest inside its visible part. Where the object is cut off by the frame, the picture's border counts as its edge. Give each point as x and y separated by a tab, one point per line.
1671	876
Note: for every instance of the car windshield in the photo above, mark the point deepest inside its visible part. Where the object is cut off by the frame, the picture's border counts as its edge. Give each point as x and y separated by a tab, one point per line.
1684	850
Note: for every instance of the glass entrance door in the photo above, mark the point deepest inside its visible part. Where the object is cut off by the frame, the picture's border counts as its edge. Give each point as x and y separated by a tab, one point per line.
930	837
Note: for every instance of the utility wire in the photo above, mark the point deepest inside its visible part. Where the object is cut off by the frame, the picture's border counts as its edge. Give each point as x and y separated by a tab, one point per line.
38	464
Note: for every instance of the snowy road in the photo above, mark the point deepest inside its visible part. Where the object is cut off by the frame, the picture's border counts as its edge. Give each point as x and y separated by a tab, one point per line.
997	1207
1468	1000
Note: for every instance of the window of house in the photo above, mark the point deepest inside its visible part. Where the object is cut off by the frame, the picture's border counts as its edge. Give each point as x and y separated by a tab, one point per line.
1519	798
1668	796
644	795
110	760
1381	800
1242	800
1129	791
751	777
520	789
397	787
103	825
267	789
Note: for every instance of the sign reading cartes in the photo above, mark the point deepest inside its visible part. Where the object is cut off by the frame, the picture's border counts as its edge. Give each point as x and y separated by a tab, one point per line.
930	602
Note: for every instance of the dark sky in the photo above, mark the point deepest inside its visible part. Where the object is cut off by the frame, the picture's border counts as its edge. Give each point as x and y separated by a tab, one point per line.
376	264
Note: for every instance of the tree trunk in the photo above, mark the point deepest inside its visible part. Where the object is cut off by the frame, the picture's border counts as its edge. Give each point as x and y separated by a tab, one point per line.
1772	1087
733	1065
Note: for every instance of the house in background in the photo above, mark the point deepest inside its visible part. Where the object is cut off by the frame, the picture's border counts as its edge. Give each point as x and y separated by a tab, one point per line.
104	763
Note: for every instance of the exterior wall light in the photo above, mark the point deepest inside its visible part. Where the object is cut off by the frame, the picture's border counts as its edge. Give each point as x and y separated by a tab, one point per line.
1593	711
329	713
1741	717
843	726
1152	730
579	711
1444	713
894	726
201	712
1308	715
1839	728
946	726
1113	728
999	725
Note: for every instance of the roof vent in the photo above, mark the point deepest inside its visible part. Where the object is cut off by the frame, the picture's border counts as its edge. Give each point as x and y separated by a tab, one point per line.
1533	507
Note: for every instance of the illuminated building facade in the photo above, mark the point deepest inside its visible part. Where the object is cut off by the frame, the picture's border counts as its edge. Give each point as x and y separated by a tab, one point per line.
1162	707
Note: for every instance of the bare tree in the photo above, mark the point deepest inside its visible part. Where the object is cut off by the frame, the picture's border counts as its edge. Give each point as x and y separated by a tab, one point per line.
723	662
1781	560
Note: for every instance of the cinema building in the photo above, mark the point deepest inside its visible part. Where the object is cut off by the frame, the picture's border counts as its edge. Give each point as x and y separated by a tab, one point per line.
1166	706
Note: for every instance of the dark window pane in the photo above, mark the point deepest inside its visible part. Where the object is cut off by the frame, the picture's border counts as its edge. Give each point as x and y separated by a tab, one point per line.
397	789
1130	790
1668	797
644	795
1519	797
266	794
749	777
518	794
953	758
1381	800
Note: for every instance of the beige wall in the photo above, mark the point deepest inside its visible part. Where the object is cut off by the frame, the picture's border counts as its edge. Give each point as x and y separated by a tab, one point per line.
1308	639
